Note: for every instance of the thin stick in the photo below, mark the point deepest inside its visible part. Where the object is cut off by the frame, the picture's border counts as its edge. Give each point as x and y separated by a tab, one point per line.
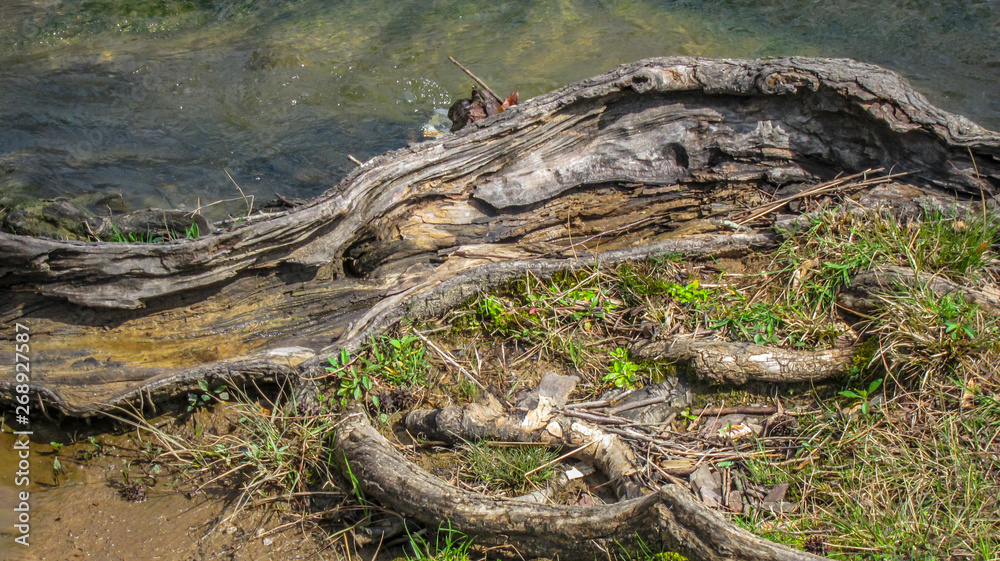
834	184
563	457
248	203
739	410
448	358
589	404
476	78
596	418
356	161
637	404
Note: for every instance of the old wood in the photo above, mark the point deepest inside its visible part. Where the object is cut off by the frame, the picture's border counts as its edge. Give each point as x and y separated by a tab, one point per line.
658	157
654	157
487	420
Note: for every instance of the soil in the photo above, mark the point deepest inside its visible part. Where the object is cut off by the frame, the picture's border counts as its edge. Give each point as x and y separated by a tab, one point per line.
81	512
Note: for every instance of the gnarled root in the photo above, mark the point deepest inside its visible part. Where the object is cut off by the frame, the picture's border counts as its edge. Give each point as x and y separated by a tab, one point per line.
669	519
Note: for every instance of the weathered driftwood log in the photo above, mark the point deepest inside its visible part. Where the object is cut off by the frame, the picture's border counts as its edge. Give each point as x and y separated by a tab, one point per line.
738	363
670	519
653	157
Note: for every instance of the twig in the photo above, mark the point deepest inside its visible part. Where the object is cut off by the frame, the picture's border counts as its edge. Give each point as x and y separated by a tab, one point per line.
563	457
448	358
637	404
589	404
248	203
832	185
742	410
478	81
596	418
356	161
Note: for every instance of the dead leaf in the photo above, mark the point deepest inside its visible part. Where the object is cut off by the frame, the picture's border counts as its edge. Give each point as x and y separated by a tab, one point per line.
511	100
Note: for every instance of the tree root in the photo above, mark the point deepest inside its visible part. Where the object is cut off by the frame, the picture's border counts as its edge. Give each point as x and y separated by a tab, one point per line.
669	519
868	285
487	420
738	363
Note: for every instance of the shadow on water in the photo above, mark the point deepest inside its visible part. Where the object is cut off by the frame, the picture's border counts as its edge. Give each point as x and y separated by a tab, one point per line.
140	103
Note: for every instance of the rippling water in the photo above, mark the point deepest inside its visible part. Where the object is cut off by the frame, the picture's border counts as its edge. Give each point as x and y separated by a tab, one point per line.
148	102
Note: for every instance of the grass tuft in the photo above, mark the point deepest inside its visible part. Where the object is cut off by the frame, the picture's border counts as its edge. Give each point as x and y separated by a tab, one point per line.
511	470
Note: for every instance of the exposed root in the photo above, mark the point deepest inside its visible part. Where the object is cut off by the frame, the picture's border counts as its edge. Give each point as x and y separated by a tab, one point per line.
867	285
487	420
669	519
738	363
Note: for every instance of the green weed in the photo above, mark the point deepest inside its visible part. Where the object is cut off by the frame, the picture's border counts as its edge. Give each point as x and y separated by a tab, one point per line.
391	362
207	396
862	395
623	372
639	281
353	382
690	294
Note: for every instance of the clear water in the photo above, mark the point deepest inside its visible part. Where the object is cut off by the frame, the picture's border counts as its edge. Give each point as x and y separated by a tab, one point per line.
149	102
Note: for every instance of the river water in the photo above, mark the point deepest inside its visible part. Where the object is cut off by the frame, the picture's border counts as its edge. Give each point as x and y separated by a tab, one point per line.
139	103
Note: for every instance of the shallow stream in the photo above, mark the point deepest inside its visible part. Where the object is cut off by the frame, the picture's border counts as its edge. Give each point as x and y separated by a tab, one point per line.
148	103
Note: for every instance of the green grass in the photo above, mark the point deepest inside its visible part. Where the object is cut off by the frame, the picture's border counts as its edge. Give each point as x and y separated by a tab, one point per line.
449	545
508	469
794	303
891	485
271	451
118	236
